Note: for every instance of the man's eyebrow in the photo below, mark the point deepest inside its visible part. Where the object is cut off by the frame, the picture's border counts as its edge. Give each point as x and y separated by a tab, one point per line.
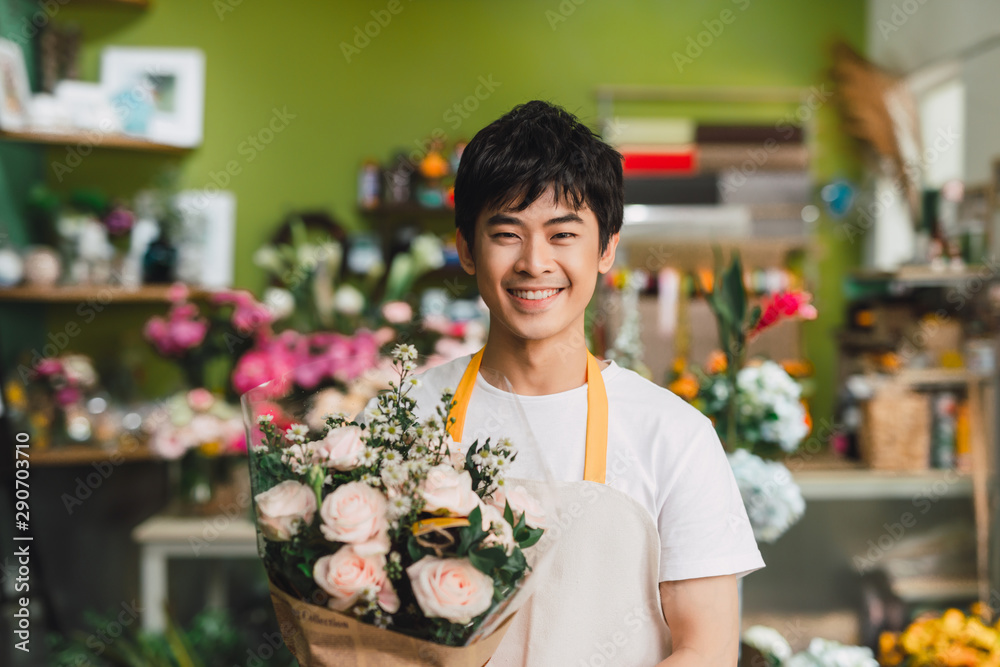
503	219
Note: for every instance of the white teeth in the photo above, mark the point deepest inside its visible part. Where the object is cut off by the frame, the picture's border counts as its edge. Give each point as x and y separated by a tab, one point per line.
535	295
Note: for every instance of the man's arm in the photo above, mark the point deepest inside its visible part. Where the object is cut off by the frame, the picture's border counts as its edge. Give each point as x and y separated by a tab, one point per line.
703	616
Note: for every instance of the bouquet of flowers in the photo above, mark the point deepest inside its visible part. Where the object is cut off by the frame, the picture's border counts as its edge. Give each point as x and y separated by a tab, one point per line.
201	433
385	543
775	651
773	501
756	407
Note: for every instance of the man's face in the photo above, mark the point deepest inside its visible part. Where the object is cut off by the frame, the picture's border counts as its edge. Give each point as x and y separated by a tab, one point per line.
537	268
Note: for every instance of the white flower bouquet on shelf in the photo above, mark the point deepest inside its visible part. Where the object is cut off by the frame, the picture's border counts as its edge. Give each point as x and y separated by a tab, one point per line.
776	652
385	544
773	500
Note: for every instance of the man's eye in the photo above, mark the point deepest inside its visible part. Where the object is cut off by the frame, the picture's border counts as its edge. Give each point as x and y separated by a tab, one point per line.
503	234
566	234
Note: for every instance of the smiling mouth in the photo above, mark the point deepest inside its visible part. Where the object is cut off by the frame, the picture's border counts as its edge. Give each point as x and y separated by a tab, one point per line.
535	295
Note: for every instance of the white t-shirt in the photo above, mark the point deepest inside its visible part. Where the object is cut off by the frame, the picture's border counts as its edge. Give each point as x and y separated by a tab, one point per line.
662	452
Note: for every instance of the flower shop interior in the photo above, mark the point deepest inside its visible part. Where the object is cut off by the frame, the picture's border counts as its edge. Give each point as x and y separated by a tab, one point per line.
196	197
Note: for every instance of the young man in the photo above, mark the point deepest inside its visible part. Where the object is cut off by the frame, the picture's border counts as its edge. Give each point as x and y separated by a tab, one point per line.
650	555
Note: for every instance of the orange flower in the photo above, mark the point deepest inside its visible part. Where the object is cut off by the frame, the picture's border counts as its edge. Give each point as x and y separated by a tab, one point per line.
717	362
686	386
889	650
797	368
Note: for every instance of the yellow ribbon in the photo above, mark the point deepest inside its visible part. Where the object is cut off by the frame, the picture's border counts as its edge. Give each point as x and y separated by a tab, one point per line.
596	456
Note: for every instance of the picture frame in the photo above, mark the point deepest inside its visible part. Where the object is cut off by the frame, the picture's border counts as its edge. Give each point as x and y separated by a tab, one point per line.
158	93
15	90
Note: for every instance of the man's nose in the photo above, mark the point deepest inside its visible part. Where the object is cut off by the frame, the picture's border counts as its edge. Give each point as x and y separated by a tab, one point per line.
536	256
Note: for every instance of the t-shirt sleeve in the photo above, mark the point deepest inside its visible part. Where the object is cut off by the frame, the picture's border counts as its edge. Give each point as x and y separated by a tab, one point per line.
703	525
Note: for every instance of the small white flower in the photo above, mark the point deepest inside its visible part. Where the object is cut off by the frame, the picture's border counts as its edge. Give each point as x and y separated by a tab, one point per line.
265	419
393	475
414	382
392	432
395	558
404	352
399	507
409	366
369	456
296	433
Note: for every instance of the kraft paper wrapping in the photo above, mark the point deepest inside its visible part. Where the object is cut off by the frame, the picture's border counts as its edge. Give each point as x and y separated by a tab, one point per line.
320	637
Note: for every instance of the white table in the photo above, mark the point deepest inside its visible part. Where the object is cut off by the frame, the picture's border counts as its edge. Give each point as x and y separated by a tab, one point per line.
163	537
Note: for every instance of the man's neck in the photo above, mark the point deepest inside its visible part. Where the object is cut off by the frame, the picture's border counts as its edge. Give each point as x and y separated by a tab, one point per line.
534	368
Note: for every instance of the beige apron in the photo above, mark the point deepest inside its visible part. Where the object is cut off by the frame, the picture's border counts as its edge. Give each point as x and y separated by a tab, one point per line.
597	600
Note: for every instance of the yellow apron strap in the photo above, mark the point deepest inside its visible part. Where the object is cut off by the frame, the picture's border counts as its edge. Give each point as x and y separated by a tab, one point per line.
596	459
596	456
462	396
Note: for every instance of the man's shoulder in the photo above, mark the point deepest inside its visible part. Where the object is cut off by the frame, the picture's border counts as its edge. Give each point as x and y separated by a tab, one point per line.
643	400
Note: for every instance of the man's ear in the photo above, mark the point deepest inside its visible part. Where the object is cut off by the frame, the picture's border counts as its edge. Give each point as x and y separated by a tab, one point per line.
608	258
465	257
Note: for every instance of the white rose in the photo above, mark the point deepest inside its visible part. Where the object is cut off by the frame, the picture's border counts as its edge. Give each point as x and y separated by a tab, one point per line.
446	489
450	588
283	509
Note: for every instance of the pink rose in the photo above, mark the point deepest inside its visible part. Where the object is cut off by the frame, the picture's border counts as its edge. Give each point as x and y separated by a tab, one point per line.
446	489
283	509
200	399
397	312
450	588
521	502
355	513
346	574
342	448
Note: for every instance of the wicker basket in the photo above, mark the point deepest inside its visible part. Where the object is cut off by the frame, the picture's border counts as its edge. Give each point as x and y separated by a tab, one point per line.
896	429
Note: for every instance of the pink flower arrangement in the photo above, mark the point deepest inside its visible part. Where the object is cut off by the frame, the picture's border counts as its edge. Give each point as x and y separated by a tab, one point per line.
66	377
782	306
307	360
249	315
179	332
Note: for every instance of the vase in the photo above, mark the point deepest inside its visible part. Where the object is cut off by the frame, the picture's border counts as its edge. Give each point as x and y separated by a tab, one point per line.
205	485
159	264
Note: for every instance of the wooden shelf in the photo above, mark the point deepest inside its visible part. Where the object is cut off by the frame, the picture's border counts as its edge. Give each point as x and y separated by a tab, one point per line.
935	589
91	138
940	376
74	455
141	4
866	484
924	276
104	293
408	210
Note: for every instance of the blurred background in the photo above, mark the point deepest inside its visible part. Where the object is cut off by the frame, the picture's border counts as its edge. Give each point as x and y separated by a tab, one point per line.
197	197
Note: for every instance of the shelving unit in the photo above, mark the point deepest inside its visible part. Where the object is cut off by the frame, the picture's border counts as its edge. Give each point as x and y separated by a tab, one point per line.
105	293
70	455
864	484
93	138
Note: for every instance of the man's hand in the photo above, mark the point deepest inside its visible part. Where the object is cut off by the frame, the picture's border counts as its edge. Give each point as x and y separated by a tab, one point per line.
703	616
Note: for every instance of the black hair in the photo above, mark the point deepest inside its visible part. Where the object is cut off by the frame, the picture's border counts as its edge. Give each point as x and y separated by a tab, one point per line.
513	161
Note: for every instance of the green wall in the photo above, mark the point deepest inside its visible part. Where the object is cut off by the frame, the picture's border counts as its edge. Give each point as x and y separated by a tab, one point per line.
21	166
263	56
